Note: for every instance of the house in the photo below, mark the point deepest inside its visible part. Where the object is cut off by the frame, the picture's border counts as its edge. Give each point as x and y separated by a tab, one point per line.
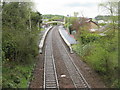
92	26
83	22
88	23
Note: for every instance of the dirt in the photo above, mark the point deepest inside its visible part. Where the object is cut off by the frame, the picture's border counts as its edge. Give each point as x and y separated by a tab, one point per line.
37	81
64	82
89	74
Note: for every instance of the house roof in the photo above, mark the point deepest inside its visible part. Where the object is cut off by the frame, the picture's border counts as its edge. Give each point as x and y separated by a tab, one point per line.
87	20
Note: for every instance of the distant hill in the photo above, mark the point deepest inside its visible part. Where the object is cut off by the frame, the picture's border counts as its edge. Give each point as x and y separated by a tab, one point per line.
53	17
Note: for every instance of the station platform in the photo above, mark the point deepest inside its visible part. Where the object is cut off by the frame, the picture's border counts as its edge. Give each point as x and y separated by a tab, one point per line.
67	36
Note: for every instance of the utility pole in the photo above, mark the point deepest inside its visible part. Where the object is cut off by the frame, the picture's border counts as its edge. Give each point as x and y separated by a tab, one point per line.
68	22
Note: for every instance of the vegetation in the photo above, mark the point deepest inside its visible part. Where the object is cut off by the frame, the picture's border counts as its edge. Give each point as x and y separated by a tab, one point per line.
101	52
103	17
20	26
71	23
51	17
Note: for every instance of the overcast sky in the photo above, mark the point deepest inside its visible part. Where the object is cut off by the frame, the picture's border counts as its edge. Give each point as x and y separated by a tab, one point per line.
88	8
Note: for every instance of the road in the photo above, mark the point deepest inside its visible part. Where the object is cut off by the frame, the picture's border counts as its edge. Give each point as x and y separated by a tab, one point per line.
60	69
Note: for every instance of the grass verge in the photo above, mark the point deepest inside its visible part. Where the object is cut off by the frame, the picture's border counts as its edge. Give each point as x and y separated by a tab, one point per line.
16	75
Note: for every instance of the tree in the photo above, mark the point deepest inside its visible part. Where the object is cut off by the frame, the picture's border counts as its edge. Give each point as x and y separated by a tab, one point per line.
36	19
112	9
74	23
19	41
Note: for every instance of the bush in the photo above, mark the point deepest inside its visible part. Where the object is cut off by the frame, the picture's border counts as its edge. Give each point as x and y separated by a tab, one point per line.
82	50
98	58
20	77
88	37
102	24
101	53
19	43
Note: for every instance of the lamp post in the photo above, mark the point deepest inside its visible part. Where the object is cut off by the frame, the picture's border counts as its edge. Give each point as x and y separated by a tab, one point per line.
68	23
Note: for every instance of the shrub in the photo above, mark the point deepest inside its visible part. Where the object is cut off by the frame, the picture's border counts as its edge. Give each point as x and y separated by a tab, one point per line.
101	53
88	37
98	58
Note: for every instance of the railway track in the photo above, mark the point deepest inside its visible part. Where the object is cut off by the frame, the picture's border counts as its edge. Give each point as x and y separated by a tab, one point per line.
75	74
50	76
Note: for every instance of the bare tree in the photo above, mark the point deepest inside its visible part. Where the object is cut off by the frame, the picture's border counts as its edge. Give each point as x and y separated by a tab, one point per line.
112	9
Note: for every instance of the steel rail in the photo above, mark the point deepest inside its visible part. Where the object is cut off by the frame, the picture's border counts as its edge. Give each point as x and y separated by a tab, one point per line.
50	75
73	70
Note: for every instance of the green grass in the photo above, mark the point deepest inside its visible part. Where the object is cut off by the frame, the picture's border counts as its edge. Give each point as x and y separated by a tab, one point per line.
16	75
